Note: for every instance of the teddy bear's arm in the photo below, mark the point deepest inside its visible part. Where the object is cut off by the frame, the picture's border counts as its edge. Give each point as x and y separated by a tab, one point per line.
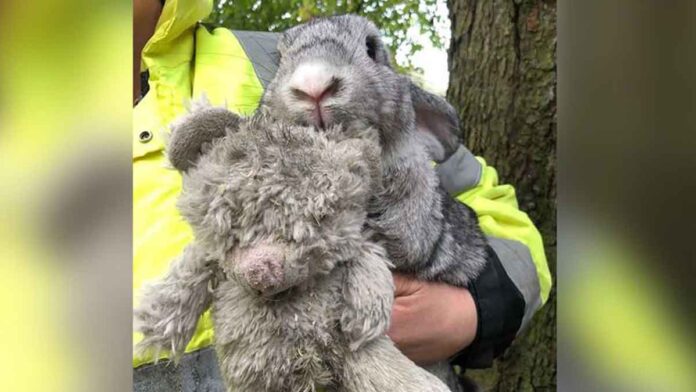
368	291
170	307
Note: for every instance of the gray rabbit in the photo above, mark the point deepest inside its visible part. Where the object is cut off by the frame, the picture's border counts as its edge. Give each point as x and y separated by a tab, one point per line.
337	71
300	294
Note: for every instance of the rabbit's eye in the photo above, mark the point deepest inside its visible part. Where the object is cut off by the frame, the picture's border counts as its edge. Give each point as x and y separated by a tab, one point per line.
371	44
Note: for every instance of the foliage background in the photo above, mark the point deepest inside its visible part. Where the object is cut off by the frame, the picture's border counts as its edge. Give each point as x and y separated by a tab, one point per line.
395	19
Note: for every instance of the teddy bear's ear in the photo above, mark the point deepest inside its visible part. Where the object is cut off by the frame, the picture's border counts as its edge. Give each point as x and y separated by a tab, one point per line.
193	133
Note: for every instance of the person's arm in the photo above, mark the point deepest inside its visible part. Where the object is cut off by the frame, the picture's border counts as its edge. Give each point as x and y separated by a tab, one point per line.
145	16
432	322
516	281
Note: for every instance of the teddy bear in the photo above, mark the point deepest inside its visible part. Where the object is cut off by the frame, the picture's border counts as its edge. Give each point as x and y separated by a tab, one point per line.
300	292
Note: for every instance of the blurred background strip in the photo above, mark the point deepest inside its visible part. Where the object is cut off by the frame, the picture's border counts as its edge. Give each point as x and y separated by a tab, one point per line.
65	213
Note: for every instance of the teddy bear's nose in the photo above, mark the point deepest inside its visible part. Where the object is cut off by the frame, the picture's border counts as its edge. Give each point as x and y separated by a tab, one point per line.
262	268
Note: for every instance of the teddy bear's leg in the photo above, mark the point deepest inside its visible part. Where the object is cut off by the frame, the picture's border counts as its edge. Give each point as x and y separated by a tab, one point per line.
258	351
379	366
272	368
368	294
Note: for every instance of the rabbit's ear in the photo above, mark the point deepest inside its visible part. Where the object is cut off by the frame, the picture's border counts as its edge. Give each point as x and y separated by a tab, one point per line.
376	48
287	37
283	42
437	121
193	134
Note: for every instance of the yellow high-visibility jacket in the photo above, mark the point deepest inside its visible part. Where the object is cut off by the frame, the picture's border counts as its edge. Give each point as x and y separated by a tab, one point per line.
184	60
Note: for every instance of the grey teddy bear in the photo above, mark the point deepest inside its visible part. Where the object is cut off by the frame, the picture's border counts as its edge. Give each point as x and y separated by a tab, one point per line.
300	294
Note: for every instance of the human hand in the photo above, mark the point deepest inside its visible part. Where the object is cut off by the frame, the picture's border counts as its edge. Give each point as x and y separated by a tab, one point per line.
431	321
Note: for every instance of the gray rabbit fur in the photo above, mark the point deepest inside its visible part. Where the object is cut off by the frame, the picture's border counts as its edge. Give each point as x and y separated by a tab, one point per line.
425	231
300	294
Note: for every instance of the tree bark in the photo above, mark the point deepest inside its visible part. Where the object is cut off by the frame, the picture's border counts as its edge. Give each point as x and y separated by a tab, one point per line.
502	62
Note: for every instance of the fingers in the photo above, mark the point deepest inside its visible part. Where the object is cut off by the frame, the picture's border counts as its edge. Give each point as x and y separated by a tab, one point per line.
405	285
431	321
396	327
402	309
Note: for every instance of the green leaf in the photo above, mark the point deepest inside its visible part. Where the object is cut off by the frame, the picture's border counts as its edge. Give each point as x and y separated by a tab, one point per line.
393	17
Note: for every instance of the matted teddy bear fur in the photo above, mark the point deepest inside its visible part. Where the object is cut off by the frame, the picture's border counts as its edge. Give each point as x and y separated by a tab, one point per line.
300	294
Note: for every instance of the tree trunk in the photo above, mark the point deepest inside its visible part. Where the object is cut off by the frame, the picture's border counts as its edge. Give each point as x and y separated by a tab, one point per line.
502	62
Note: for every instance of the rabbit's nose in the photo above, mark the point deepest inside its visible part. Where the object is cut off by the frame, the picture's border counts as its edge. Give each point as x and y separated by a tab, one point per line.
314	82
